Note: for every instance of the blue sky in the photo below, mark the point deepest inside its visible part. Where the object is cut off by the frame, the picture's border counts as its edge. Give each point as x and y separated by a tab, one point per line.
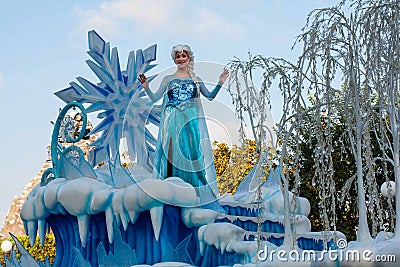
44	43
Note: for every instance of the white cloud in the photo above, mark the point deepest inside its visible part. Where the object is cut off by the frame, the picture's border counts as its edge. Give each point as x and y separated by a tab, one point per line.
93	19
217	25
151	17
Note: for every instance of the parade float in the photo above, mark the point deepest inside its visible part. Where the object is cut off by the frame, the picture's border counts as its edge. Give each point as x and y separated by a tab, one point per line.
105	214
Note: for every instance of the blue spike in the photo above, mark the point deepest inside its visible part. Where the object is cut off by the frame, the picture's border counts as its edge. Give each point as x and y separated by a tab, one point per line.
105	114
252	180
131	69
70	170
208	200
149	67
115	139
121	178
103	259
102	74
97	58
150	138
97	106
92	88
86	169
140	62
274	178
181	252
115	63
99	142
108	65
79	89
154	119
150	148
131	146
13	261
26	258
68	94
143	94
9	262
96	43
79	169
150	53
106	54
79	259
98	155
109	140
123	255
104	124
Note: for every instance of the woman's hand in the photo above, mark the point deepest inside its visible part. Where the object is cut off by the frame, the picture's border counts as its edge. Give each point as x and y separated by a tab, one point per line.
223	76
143	79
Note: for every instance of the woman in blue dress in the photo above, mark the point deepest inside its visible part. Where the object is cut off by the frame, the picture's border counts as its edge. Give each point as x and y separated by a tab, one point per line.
183	146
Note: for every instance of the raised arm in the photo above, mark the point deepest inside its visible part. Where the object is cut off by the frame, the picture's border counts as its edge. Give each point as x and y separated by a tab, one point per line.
211	95
161	90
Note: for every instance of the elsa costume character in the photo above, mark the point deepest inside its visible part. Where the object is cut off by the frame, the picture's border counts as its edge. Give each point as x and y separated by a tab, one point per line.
183	147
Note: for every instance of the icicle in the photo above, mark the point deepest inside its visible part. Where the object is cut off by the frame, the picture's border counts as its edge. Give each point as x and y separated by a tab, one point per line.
117	218
200	234
32	231
42	231
83	225
156	214
124	220
223	244
109	224
133	215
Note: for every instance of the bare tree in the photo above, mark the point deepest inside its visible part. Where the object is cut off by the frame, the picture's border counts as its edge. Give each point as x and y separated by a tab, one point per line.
253	105
349	68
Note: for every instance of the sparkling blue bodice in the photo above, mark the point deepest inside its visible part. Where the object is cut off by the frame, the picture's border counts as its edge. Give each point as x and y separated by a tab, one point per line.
181	93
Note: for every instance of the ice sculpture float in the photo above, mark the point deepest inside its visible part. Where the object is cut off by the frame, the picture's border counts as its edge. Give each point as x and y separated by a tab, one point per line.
115	216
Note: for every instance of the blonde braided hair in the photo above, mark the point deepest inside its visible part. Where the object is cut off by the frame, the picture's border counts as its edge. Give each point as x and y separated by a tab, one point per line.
186	48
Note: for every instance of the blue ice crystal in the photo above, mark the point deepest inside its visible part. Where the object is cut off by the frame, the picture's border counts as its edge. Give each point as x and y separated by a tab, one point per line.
120	100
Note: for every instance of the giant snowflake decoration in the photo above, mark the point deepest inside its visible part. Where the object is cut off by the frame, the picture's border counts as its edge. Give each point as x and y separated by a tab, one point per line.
123	106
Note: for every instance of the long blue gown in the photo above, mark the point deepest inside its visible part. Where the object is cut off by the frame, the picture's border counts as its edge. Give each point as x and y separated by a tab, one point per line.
183	147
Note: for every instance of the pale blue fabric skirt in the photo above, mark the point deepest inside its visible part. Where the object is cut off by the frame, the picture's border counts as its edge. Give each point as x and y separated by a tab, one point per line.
181	154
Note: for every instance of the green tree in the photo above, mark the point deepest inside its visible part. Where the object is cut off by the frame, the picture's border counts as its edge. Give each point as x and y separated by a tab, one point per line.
222	155
344	169
232	165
